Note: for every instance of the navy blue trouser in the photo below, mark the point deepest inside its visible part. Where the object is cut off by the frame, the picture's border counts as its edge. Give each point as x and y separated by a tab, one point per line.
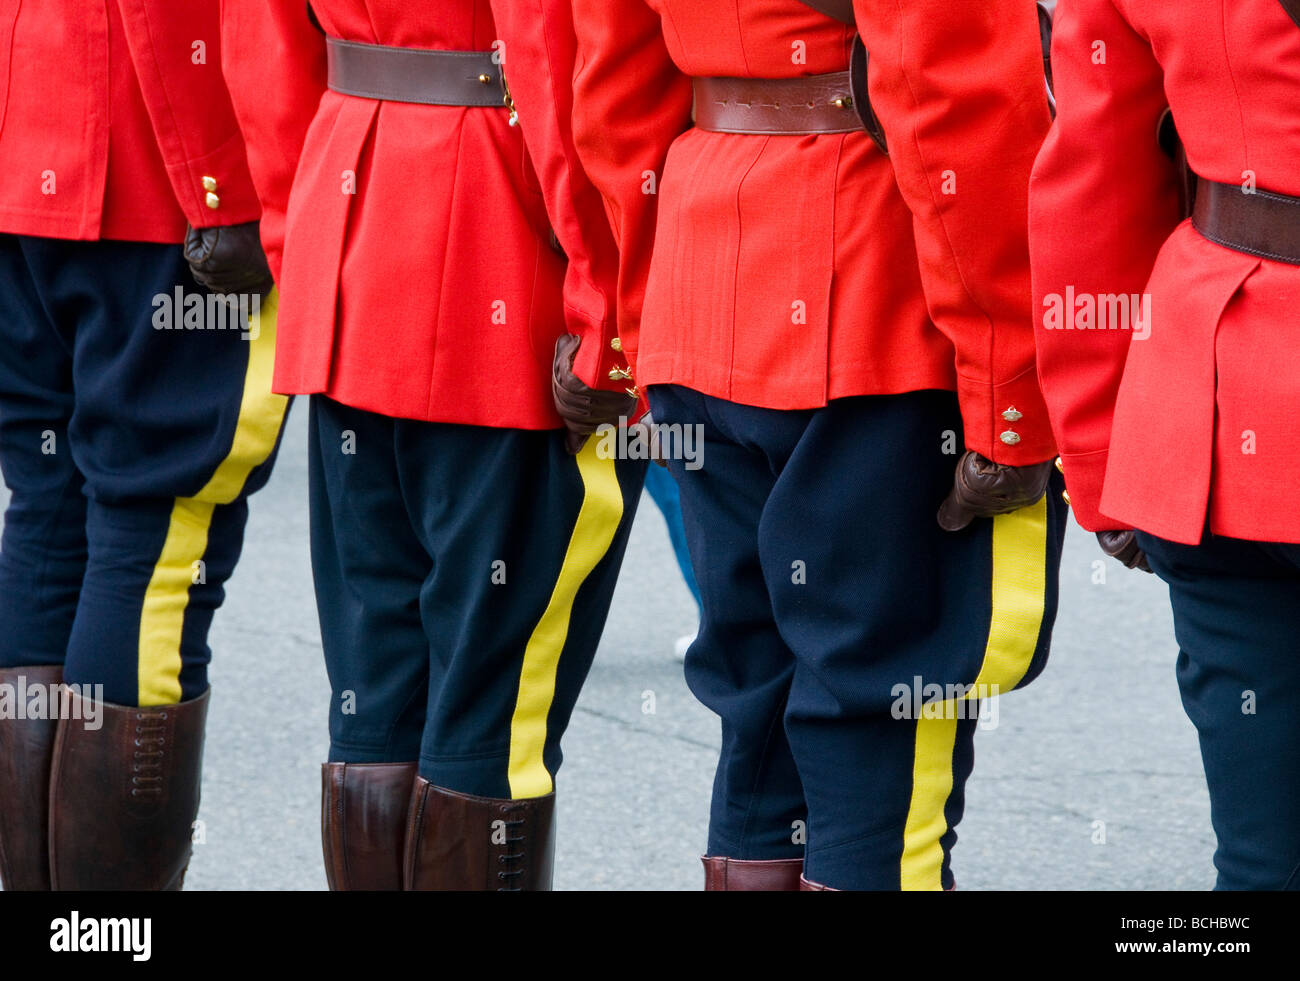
129	451
833	602
463	576
1237	621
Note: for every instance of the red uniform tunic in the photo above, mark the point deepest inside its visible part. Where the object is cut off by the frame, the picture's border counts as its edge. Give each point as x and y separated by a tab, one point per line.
412	243
112	113
784	271
1194	413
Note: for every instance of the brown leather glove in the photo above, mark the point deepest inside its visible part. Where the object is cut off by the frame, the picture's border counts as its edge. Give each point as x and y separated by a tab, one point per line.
982	489
1122	545
583	409
228	259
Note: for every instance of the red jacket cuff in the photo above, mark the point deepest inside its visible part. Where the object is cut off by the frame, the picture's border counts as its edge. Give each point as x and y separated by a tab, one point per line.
1085	474
217	189
1006	423
601	363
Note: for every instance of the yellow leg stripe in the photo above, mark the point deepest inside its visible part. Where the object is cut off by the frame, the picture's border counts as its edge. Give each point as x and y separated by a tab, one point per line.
1019	595
166	599
922	862
261	412
598	521
163	616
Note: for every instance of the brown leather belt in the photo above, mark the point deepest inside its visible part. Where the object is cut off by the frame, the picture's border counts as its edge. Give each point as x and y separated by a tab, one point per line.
812	104
1262	223
433	78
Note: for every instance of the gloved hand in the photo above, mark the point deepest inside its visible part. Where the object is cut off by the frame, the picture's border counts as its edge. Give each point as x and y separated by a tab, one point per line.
1122	545
228	259
583	409
982	489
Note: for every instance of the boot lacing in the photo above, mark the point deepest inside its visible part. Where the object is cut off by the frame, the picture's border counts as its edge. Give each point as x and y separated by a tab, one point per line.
510	876
147	777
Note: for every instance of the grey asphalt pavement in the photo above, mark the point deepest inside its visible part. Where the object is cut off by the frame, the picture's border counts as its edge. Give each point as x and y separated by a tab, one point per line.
1092	779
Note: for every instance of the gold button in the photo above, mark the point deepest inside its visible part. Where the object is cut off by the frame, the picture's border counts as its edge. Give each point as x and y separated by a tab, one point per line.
1013	415
1060	467
1010	438
209	183
616	344
620	374
485	78
212	201
1065	496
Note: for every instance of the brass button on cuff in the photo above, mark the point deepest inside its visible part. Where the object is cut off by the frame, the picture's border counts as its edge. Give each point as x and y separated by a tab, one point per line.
209	183
1013	415
212	201
620	374
1010	438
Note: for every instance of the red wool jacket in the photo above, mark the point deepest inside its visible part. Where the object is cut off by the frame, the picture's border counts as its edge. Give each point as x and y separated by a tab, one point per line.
1195	415
413	243
112	114
784	271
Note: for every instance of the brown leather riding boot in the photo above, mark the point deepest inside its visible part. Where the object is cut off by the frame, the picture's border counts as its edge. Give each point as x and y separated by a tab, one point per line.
745	875
456	842
807	885
26	746
364	809
123	798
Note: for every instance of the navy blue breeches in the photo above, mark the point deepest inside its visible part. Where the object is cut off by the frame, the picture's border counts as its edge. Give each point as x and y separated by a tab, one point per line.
463	576
1237	620
129	443
847	641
